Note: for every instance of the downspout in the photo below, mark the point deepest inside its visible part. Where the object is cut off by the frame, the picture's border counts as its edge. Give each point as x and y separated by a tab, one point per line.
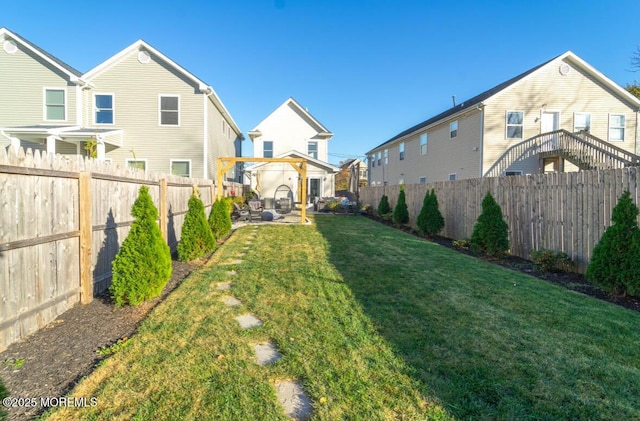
205	135
481	147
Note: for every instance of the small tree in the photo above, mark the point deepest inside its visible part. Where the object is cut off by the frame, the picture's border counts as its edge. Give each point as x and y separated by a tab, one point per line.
383	206
142	267
196	238
430	220
401	212
220	218
490	234
615	261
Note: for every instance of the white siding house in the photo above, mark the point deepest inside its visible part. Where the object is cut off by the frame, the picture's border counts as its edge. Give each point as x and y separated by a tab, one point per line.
291	131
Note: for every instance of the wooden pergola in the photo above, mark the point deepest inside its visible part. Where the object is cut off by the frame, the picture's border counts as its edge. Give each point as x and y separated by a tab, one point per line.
299	164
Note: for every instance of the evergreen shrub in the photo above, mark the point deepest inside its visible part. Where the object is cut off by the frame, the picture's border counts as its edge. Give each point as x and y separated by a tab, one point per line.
615	262
142	267
196	238
220	218
383	207
490	233
550	261
401	212
430	220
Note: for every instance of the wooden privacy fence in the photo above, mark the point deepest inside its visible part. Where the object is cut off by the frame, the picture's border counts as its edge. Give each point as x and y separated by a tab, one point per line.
558	211
62	221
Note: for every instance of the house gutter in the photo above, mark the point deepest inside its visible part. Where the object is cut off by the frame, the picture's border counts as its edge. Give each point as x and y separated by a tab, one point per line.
481	147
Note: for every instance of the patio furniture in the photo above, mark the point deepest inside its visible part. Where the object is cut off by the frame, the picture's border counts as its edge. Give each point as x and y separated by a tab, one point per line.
255	210
239	213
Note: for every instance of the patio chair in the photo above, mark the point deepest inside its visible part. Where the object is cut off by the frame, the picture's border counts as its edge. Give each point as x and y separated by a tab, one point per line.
239	213
255	210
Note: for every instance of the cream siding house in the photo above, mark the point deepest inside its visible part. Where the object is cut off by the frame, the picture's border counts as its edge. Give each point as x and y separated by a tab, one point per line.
39	93
141	108
291	131
501	131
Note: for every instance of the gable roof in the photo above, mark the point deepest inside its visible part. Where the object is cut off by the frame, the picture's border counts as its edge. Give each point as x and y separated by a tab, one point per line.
294	153
141	45
74	74
478	99
322	130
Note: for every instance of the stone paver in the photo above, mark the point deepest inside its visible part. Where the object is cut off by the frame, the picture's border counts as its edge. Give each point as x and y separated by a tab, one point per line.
266	353
223	286
231	301
233	262
294	401
248	321
231	273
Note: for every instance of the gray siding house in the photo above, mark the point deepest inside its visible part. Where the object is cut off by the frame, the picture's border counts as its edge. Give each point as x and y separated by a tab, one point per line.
139	108
563	115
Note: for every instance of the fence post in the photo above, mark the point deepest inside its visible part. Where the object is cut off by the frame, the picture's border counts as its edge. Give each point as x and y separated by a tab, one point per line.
84	199
164	212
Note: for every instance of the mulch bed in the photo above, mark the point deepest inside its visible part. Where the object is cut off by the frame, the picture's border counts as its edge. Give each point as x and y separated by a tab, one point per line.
570	280
59	355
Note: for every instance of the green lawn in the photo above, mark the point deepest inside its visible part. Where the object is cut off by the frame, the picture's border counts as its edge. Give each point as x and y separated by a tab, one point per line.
376	324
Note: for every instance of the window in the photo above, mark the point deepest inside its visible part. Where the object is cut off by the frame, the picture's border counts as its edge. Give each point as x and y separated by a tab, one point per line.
267	149
386	156
453	130
453	177
224	127
510	173
422	180
372	159
423	144
401	151
581	121
379	158
616	127
103	105
169	110
137	163
54	102
515	122
181	168
312	149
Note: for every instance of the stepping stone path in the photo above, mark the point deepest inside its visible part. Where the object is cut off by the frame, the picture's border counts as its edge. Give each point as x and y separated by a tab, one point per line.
248	321
233	262
223	286
294	401
231	273
266	353
231	301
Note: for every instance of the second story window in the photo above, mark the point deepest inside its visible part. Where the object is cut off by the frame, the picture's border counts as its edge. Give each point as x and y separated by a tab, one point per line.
515	123
386	156
312	149
169	110
267	149
103	104
372	160
453	130
423	144
616	127
54	103
401	147
379	158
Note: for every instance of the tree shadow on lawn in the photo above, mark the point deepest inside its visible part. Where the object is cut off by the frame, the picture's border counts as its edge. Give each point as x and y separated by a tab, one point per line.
451	348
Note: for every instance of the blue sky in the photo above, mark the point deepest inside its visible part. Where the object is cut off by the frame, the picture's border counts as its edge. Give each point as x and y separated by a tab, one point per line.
367	70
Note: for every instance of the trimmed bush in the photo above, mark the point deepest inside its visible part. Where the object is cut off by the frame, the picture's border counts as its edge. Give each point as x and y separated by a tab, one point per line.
401	212
142	267
383	206
490	233
430	220
220	218
615	263
196	238
3	394
549	260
